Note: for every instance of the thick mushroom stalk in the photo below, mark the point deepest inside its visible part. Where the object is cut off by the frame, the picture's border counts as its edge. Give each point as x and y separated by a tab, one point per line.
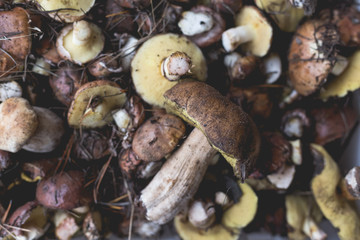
81	33
175	66
350	186
178	179
234	37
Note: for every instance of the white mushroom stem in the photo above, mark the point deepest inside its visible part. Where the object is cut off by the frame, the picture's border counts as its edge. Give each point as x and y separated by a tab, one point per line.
201	214
294	128
128	52
272	67
234	37
195	23
178	179
340	65
122	119
41	67
65	225
81	33
283	177
312	230
296	155
176	66
221	199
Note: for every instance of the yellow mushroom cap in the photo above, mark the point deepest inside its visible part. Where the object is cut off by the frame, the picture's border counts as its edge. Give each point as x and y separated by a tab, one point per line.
251	16
75	9
347	82
80	42
146	65
93	103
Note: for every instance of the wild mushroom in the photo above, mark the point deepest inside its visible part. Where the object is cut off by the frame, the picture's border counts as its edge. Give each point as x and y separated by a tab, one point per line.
65	225
309	6
80	42
312	55
334	206
157	137
67	11
18	123
230	225
252	30
344	83
161	62
93	103
202	25
201	214
240	67
104	66
205	108
350	185
9	90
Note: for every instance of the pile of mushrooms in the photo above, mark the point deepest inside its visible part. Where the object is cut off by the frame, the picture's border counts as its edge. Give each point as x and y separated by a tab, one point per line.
209	119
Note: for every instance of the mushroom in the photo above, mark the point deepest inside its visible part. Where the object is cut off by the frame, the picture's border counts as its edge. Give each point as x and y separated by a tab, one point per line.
63	190
80	42
231	224
9	90
157	137
303	215
350	184
33	171
67	11
252	30
286	16
18	123
104	66
240	67
93	103
92	225
48	133
128	161
65	225
205	108
152	78
309	6
346	82
201	214
202	25
312	55
16	41
5	161
334	206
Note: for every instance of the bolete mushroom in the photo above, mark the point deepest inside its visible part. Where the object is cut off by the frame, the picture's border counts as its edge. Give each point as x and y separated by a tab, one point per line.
252	30
67	11
80	42
350	185
161	62
93	103
334	206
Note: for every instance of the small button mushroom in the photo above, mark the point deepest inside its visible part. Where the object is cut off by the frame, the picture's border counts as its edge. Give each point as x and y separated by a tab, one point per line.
157	137
104	66
93	103
252	30
148	60
286	16
67	11
18	123
65	82
312	55
48	133
63	190
9	90
239	67
80	42
202	25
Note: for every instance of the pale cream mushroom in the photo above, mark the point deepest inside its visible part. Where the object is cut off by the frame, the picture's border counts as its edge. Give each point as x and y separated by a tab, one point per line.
67	11
18	123
80	42
252	31
161	62
9	90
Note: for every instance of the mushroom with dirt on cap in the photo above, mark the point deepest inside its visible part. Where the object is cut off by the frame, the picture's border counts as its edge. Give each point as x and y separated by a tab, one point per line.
252	31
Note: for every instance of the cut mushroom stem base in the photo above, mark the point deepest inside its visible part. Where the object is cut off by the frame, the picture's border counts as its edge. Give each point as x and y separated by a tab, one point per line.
176	66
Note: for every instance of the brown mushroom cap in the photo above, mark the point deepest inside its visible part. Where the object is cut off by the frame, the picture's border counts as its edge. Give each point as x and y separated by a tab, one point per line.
18	123
67	11
310	56
93	103
146	65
